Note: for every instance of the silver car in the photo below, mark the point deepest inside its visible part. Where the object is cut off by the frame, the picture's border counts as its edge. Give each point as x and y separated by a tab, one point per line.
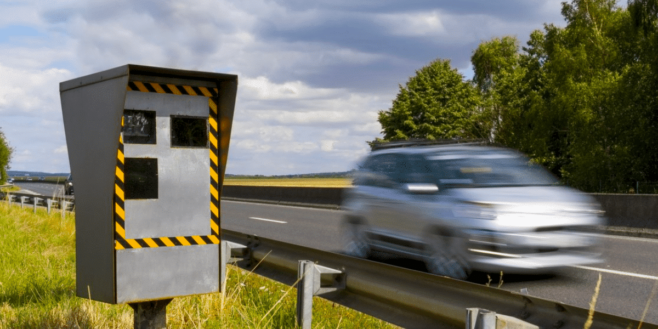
465	207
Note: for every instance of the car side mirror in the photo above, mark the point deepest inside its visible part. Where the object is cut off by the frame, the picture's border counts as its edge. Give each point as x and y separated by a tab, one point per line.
420	188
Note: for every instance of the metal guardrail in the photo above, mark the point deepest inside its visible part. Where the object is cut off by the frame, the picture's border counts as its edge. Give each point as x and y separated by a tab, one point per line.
410	298
37	200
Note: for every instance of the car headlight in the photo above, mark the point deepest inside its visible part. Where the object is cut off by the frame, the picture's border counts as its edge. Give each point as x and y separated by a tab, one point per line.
475	211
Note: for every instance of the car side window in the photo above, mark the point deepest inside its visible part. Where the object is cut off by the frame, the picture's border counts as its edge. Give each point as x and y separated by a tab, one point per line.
377	171
414	169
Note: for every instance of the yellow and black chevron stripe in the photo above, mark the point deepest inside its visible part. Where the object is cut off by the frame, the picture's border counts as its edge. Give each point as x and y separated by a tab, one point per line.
213	134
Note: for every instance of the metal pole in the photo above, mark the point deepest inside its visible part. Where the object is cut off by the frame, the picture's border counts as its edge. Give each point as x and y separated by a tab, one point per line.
151	315
36	200
305	278
23	198
62	204
49	204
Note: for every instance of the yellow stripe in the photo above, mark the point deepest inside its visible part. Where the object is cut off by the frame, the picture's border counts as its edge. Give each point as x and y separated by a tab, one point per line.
119	173
120	211
189	90
167	242
214	227
205	91
141	86
214	193
214	175
182	240
157	88
120	230
213	239
118	246
120	156
128	89
216	90
213	140
198	240
151	243
212	105
119	192
174	89
213	122
214	210
133	243
213	157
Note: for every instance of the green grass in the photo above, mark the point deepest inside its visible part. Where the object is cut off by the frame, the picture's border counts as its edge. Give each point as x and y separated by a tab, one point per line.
37	288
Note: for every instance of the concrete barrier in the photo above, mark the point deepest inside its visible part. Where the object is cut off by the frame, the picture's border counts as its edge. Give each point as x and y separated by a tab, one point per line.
630	210
286	195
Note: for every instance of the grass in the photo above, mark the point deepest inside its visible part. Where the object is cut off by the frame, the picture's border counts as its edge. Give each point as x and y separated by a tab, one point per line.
37	288
293	182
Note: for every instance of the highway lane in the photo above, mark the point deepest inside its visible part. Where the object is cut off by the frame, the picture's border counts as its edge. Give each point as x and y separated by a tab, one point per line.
46	189
629	277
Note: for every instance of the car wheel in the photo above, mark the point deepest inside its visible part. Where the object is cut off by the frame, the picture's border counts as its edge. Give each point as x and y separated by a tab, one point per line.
444	256
355	240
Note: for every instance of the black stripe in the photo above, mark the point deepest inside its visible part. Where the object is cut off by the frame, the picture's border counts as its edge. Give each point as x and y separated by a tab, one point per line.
120	221
122	242
132	86
166	89
175	241
214	93
197	91
191	240
142	243
206	239
159	242
149	87
182	90
120	184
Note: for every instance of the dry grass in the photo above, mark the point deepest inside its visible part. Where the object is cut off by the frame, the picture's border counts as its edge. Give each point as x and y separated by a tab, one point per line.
293	182
37	288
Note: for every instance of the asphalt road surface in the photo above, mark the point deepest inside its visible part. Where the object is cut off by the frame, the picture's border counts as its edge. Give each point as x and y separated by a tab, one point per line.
46	189
629	277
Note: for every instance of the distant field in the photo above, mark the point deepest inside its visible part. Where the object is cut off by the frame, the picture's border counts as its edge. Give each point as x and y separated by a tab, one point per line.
299	182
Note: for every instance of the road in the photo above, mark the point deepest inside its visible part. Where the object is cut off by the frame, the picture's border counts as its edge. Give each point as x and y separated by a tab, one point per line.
46	189
628	276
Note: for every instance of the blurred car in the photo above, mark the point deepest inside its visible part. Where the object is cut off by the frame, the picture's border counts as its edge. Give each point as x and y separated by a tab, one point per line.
68	185
42	178
465	207
10	180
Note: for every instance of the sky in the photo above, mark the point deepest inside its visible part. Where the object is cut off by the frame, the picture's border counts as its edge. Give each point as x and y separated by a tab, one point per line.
312	74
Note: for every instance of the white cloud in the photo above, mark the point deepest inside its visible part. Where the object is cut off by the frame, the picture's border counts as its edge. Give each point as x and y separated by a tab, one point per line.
312	76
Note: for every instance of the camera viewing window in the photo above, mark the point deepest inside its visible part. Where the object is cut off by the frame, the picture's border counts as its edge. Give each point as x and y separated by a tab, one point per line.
141	178
138	127
189	132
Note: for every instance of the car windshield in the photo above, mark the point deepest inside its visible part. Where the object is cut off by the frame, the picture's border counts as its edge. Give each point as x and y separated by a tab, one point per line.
488	169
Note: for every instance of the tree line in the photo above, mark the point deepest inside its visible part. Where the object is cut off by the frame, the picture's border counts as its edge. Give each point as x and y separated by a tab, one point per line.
582	100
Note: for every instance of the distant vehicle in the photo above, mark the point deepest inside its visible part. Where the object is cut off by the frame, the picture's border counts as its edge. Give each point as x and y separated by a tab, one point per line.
68	185
42	178
465	207
10	180
28	178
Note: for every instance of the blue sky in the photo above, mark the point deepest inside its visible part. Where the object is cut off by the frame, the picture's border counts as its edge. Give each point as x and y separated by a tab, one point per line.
313	74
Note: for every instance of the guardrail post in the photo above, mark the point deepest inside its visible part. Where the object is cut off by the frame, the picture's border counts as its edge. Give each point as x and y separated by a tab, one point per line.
151	315
11	198
230	250
309	284
62	205
49	204
23	200
477	318
35	200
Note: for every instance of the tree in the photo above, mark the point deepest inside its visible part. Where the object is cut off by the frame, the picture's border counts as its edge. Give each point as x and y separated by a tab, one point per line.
5	157
436	103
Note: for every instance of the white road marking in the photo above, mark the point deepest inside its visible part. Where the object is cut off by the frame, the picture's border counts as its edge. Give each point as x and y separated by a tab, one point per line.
641	276
269	220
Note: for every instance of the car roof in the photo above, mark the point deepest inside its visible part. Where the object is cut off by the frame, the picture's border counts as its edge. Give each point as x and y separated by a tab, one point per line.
443	148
